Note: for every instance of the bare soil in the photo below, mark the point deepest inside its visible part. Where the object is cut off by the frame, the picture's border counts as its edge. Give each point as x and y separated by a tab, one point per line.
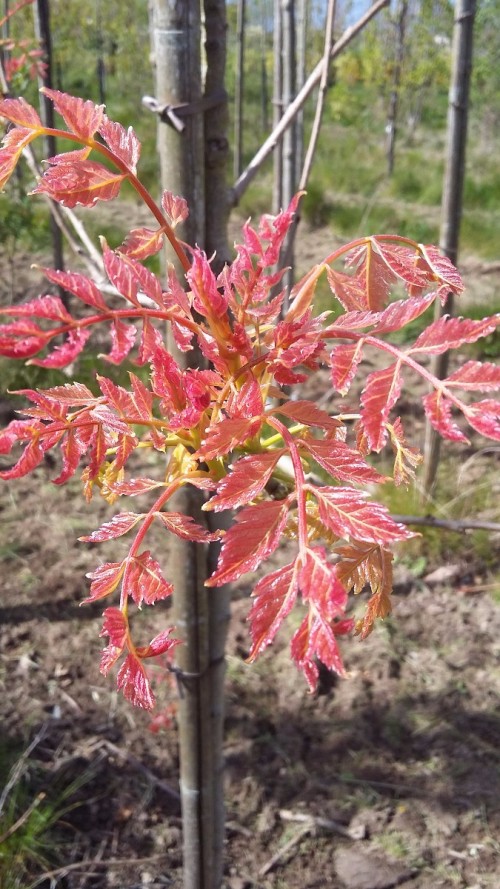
390	777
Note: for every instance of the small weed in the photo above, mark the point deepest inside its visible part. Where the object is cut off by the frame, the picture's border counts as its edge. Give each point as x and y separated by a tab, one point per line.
31	809
394	843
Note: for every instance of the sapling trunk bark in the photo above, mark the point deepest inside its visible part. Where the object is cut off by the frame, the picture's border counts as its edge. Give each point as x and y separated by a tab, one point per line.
193	164
453	187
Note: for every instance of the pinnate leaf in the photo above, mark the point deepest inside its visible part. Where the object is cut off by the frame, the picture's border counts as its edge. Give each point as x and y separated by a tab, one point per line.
382	390
21	113
79	285
484	417
341	461
344	361
144	582
175	207
308	414
81	116
247	478
159	645
406	458
105	580
142	242
13	145
50	307
115	626
444	270
478	376
275	595
346	512
254	536
227	435
450	333
134	683
122	341
400	313
123	143
184	526
65	354
438	411
81	182
120	524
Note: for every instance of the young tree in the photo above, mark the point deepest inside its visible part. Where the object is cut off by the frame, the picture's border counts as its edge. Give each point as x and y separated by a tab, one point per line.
230	430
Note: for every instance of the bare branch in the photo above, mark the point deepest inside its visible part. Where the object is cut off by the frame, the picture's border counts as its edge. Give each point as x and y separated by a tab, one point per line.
458	525
268	146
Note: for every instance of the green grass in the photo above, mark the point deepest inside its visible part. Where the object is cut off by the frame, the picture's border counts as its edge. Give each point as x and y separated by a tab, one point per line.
33	806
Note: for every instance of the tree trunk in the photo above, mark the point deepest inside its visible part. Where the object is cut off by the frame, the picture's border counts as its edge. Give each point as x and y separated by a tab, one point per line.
300	79
277	106
239	88
453	186
392	117
289	185
193	164
43	35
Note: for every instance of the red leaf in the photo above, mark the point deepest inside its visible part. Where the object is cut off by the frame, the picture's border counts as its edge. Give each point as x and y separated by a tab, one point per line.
71	395
72	449
206	296
81	182
315	638
13	145
19	112
144	582
400	313
345	360
227	435
123	143
403	263
382	390
347	513
275	595
48	306
142	242
134	683
176	208
320	586
479	376
484	417
184	526
443	269
79	285
341	461
450	333
438	411
105	580
81	117
348	290
109	657
406	459
65	354
122	339
247	402
308	414
247	478
159	645
115	626
31	457
373	275
302	294
120	524
253	537
121	274
117	397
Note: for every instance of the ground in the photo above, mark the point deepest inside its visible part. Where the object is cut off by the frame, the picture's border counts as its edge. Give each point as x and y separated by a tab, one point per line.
390	777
